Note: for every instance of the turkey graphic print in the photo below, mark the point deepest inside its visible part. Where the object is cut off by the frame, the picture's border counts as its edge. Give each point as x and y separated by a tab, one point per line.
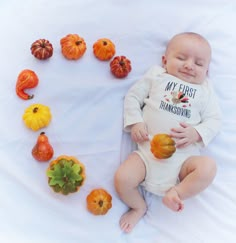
176	99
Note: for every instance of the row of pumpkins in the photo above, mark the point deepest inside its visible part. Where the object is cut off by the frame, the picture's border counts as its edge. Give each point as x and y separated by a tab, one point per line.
73	47
66	174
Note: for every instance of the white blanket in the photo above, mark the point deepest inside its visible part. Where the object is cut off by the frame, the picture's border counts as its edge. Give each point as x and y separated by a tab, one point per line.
86	102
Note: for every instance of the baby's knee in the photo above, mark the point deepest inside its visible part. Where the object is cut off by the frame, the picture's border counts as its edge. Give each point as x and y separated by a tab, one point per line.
120	179
206	167
202	166
209	167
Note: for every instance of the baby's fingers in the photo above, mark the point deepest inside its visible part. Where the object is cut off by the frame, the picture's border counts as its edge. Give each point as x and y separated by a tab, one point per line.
144	135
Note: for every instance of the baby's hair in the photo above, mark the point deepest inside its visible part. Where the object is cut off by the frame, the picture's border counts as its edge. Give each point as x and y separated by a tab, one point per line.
194	34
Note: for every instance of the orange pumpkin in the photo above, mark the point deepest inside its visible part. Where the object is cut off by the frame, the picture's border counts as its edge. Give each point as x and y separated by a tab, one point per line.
162	146
99	201
73	46
104	49
120	66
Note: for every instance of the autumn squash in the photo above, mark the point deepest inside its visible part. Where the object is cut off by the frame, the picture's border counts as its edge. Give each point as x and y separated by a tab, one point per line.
42	150
66	174
42	49
73	46
162	146
120	66
27	79
37	116
99	201
104	49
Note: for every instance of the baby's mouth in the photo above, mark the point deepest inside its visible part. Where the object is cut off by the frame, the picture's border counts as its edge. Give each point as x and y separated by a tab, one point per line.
188	74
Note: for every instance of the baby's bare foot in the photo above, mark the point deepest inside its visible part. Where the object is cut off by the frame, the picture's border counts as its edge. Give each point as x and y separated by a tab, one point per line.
130	219
172	200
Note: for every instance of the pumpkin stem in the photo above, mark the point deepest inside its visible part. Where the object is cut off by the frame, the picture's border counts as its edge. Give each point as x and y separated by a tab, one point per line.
122	63
35	109
104	43
78	43
100	203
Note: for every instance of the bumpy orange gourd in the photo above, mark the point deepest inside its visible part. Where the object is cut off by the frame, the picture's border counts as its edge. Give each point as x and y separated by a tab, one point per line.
73	46
120	66
27	79
162	146
42	150
99	201
42	49
104	49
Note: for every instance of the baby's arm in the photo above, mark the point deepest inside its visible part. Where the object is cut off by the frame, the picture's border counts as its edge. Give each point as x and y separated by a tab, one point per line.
139	132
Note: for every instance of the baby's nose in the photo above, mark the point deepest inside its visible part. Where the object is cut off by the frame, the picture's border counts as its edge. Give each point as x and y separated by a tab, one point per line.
189	64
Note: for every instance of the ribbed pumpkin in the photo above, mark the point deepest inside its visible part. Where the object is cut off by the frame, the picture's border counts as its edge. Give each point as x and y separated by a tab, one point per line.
120	66
73	46
37	116
162	146
66	174
99	201
104	49
42	49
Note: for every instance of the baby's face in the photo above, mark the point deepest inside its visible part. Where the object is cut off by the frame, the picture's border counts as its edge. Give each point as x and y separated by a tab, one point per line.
188	58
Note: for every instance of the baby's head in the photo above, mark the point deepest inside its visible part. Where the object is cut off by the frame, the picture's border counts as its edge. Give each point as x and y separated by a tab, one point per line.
187	57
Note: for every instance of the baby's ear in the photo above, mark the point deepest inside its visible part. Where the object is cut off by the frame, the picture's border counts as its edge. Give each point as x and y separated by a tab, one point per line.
164	61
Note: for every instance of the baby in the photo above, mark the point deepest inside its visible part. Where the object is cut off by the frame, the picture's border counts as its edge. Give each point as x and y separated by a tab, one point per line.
175	99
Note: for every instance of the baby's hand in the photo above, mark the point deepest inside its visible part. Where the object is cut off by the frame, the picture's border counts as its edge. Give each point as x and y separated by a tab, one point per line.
139	132
185	135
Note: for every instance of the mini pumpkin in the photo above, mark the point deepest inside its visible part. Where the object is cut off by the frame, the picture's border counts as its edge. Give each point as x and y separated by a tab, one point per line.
120	66
99	201
73	46
66	174
104	49
37	116
162	146
42	49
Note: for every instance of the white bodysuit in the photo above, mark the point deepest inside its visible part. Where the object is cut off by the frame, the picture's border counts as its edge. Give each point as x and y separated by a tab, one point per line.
162	101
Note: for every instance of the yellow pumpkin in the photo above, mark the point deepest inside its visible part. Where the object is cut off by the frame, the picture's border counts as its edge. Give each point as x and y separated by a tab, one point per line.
73	46
37	116
99	201
104	49
66	174
162	146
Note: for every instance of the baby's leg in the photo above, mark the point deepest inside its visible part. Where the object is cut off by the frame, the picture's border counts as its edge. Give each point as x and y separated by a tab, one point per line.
127	179
196	174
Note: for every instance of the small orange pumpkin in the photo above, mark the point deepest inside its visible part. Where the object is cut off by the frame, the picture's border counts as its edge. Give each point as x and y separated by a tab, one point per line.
162	146
99	201
73	46
42	49
104	49
120	66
